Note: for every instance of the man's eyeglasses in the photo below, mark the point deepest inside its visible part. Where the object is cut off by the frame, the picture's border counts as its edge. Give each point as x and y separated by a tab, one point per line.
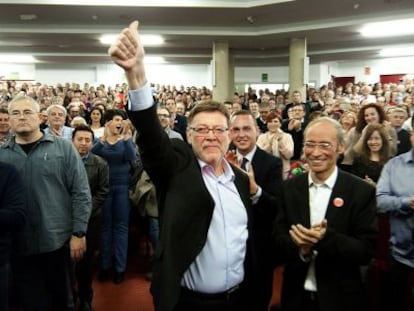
25	113
203	130
163	115
322	145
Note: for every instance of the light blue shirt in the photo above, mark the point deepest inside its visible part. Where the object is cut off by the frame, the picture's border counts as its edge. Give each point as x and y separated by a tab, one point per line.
220	264
394	189
66	132
140	99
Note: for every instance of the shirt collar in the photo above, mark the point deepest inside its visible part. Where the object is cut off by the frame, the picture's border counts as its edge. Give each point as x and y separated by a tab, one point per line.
408	157
228	171
248	156
329	182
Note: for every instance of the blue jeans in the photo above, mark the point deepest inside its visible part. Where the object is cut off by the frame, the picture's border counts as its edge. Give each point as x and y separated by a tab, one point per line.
4	286
115	228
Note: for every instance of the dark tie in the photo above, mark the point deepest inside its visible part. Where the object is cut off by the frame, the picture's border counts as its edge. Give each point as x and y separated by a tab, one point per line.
243	164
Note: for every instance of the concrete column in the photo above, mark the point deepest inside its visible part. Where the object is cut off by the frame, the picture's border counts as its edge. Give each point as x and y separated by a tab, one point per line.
223	82
297	66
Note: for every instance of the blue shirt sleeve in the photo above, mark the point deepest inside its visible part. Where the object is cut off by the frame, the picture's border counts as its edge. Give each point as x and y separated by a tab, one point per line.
141	98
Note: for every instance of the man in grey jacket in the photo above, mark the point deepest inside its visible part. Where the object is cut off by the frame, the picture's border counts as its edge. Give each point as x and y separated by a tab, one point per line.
59	206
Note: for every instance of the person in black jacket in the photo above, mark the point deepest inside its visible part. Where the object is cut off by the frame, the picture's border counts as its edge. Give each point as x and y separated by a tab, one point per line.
12	219
98	178
205	256
265	175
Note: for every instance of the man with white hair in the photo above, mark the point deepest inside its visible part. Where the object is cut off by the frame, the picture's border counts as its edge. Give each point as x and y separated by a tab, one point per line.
56	117
366	95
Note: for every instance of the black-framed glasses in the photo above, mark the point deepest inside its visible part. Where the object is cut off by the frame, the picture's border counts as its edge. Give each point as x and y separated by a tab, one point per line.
322	145
204	130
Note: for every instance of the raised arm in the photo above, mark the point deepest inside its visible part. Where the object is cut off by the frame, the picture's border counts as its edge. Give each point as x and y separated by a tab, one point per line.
128	53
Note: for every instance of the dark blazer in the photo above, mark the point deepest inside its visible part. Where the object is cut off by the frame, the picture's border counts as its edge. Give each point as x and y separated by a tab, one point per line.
180	125
268	175
98	178
297	137
404	141
13	208
349	242
185	207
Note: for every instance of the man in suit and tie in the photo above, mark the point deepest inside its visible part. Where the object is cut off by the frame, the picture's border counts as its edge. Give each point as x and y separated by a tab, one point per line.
265	174
178	122
204	259
325	229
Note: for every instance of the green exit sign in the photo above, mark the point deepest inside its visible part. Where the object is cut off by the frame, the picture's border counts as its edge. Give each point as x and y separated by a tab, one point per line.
265	77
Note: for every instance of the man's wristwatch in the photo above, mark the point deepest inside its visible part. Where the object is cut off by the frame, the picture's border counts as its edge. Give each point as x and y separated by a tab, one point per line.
79	234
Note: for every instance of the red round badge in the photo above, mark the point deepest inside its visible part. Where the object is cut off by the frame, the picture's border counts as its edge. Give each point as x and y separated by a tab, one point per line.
338	202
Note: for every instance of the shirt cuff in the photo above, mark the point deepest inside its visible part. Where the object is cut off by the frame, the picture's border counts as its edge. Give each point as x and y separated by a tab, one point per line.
255	197
141	98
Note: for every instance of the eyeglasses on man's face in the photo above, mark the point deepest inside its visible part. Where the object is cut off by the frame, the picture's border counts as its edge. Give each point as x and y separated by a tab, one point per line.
164	115
204	130
311	145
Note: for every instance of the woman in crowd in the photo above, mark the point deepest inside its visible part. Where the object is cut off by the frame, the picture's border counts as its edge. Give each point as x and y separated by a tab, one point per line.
96	122
348	121
371	156
373	152
367	114
117	148
277	142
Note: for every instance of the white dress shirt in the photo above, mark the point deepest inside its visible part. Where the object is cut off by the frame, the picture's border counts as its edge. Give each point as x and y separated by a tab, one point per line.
319	195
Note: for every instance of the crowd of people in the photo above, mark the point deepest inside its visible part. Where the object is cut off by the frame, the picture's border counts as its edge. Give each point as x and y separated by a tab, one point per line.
222	193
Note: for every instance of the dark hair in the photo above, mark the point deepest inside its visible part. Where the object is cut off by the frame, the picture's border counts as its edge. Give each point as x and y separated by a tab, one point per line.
101	121
111	113
82	127
208	106
384	153
361	123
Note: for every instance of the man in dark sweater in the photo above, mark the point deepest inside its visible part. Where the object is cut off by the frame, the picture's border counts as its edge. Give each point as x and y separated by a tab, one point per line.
12	219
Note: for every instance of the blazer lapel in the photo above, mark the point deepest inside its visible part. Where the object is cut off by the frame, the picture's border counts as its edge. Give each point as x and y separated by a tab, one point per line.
338	199
302	198
245	196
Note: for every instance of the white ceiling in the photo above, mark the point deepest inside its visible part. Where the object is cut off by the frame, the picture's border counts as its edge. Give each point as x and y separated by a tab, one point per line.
258	31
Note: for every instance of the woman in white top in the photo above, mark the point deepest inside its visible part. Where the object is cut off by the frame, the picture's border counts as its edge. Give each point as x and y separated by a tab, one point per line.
277	142
96	122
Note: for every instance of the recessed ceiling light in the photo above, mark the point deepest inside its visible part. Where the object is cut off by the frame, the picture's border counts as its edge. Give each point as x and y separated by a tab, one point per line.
392	28
28	17
147	40
17	58
399	51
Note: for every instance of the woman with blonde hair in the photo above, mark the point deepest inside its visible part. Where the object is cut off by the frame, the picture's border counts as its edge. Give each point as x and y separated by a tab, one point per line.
277	142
